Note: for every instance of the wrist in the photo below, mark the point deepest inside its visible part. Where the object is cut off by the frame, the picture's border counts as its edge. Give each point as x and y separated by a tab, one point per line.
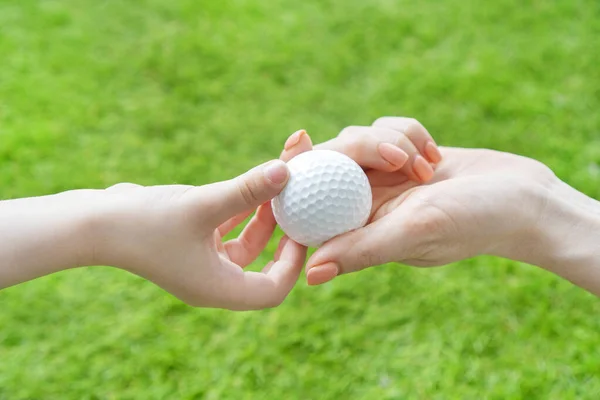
75	212
43	235
122	231
109	226
565	238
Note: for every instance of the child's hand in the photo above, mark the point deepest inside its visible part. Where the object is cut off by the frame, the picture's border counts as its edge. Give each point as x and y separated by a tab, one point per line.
172	235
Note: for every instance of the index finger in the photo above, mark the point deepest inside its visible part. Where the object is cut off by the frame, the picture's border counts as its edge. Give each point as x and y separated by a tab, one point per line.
261	226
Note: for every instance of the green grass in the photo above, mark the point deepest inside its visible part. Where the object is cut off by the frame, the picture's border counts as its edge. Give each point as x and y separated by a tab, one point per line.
157	92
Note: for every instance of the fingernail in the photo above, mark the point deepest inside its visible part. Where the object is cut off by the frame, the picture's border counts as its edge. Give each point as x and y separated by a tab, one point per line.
276	172
322	273
422	169
294	139
432	152
392	154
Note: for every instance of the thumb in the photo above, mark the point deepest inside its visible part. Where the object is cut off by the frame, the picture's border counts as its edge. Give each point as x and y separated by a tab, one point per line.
247	191
374	244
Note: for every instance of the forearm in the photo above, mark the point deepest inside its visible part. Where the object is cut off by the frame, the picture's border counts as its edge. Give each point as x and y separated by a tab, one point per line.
568	237
40	236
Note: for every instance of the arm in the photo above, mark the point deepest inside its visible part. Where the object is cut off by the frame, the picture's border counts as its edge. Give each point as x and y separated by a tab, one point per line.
478	202
171	235
566	240
43	235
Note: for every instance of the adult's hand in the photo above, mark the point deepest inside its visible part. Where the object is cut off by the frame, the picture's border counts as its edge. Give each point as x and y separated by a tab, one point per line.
478	202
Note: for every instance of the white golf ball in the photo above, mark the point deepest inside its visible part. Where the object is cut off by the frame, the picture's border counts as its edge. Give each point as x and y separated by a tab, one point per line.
327	194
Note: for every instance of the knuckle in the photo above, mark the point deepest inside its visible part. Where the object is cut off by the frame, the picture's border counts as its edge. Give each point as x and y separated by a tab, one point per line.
396	122
544	173
358	142
413	122
426	226
350	131
382	120
353	140
122	186
368	258
359	145
415	128
435	231
403	141
248	190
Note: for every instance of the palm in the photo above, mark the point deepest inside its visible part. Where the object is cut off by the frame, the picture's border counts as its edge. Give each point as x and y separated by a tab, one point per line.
450	199
458	163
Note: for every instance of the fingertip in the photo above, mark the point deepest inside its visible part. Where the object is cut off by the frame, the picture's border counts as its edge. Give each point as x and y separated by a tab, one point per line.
393	155
293	139
422	169
432	152
321	257
299	145
276	172
321	274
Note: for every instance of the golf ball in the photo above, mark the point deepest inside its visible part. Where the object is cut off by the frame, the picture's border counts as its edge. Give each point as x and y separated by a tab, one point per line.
327	194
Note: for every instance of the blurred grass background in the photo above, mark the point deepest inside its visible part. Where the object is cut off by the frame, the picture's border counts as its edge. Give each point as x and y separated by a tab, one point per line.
156	92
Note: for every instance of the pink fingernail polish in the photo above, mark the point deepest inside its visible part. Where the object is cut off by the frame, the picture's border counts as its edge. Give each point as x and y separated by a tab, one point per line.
433	152
422	169
322	273
294	139
392	154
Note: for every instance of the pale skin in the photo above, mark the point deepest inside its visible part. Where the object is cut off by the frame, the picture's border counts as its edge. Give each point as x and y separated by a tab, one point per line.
172	235
476	202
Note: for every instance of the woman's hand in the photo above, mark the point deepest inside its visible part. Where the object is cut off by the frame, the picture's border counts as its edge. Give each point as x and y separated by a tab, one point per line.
478	202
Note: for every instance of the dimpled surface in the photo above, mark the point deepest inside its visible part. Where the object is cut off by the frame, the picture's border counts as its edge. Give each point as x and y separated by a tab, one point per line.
327	194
